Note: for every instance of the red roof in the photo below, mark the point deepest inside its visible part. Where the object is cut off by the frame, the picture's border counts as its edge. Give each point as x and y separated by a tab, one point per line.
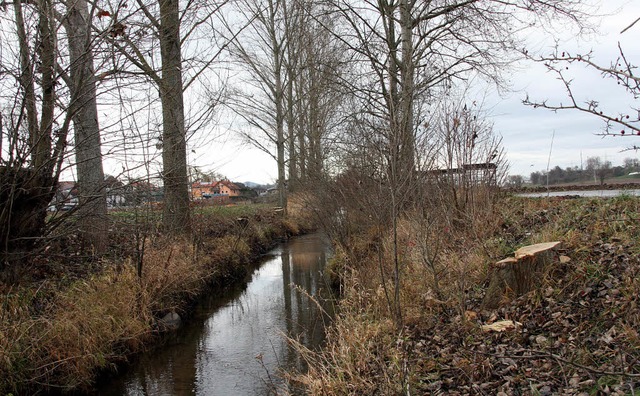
203	184
228	184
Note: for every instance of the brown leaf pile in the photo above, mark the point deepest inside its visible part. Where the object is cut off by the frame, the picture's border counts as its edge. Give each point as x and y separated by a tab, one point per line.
577	335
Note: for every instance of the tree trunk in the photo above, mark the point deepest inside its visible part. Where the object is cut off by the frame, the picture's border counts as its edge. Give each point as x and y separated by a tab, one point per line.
315	119
282	188
27	79
517	275
291	129
26	188
290	16
174	152
302	112
47	50
92	193
407	73
276	48
24	197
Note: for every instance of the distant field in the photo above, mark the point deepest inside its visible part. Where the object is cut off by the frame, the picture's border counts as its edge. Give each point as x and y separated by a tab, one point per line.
626	179
613	180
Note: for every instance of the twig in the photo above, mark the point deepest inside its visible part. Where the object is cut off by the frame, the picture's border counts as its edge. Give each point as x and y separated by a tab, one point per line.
564	374
630	26
270	384
547	355
311	298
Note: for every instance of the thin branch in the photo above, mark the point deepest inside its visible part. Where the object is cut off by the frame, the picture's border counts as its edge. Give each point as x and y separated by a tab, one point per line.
547	355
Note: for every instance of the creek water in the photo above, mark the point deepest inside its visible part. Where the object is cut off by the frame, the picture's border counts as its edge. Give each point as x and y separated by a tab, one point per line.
235	344
585	193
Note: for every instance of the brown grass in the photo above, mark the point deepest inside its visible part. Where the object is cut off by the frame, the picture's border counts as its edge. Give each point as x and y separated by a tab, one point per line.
367	353
361	347
59	334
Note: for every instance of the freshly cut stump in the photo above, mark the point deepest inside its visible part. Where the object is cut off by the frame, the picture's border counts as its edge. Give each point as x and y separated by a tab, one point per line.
520	274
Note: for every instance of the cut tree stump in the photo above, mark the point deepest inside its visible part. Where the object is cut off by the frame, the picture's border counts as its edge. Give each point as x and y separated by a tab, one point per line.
519	274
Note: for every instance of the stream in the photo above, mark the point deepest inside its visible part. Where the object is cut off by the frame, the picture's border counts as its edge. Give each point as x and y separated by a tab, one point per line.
582	193
235	344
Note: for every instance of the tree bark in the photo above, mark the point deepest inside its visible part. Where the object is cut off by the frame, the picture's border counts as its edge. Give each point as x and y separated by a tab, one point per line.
26	187
520	274
407	75
47	50
92	193
280	142
291	133
26	78
278	92
174	153
291	25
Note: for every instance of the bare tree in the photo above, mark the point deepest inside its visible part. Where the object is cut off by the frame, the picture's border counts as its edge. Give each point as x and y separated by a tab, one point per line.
599	168
84	109
622	71
314	65
469	158
262	50
174	137
136	32
407	53
37	140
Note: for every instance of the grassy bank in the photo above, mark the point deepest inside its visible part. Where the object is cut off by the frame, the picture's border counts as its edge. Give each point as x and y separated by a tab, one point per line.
71	317
576	333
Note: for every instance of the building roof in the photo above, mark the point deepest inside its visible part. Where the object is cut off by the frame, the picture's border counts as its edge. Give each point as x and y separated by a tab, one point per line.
227	183
203	184
66	185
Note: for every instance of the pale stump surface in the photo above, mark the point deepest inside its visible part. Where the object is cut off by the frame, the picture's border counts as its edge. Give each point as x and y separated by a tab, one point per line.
515	276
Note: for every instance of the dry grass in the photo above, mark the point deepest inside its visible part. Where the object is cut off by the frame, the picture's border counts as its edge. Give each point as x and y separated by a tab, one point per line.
78	332
59	334
94	322
367	352
361	347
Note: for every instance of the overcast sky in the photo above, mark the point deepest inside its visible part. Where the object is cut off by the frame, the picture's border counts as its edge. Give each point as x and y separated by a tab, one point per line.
526	132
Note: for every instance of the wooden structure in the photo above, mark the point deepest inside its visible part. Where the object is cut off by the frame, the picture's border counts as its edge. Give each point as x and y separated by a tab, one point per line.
473	174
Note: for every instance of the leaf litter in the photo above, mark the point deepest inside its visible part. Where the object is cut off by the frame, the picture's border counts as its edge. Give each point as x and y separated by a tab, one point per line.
576	335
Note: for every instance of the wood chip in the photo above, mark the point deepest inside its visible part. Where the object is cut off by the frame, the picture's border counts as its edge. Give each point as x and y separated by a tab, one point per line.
500	326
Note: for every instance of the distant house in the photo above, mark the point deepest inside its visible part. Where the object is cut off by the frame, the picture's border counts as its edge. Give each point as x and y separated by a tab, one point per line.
200	190
207	190
115	197
228	188
66	186
66	196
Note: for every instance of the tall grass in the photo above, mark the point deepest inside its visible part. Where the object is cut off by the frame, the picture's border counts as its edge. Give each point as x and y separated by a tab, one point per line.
445	268
58	335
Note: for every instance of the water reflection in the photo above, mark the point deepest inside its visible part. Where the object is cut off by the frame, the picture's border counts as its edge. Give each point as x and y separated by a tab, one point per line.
235	344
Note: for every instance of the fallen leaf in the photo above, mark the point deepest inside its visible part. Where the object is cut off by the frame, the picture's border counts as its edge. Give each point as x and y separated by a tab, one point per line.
470	315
